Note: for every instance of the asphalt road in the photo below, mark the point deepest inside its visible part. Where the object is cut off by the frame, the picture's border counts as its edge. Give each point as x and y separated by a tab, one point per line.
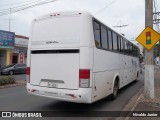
20	76
17	99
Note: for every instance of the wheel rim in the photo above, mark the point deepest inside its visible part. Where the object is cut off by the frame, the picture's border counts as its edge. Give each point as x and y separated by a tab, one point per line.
11	72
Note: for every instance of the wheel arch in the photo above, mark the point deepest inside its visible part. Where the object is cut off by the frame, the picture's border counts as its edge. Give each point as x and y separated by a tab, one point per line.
116	78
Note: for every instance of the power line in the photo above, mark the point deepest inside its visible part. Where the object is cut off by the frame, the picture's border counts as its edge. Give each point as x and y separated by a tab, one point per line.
23	7
8	9
157	5
15	3
121	26
20	8
105	7
155	15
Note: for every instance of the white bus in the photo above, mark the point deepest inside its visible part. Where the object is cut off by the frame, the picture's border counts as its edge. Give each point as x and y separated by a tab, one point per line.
72	56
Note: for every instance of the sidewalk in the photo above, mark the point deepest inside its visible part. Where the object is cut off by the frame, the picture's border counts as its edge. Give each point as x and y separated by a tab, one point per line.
144	104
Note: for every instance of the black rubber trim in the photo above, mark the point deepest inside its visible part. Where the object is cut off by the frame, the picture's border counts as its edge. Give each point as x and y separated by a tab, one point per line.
53	51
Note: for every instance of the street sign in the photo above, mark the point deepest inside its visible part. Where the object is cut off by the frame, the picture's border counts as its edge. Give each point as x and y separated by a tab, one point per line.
7	39
148	38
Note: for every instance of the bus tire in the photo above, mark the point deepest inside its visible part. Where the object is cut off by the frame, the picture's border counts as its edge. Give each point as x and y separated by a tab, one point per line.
115	90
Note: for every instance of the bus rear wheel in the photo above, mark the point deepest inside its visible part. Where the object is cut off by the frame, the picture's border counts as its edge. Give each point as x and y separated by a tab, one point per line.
115	90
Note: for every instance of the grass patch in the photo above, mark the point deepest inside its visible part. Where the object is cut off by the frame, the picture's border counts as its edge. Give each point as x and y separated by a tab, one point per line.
6	80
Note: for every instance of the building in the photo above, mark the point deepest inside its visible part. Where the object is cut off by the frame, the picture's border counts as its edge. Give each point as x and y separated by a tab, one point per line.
19	53
13	48
7	40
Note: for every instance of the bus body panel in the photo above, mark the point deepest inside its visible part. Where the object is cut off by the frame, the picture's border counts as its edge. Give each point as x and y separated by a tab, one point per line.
48	33
68	30
57	75
52	31
61	70
82	95
86	61
109	65
106	64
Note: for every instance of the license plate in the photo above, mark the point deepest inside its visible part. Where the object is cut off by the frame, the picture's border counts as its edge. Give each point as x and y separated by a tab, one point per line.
52	85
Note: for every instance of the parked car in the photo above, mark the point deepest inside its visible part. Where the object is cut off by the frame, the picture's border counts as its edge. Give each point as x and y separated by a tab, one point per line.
13	69
0	70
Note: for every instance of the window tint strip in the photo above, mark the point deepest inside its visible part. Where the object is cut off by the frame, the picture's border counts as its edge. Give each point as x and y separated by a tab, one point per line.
53	51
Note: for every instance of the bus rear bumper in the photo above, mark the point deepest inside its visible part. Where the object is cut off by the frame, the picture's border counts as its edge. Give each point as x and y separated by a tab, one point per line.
82	95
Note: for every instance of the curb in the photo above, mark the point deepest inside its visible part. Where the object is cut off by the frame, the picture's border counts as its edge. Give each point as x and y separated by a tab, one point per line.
134	106
131	105
18	83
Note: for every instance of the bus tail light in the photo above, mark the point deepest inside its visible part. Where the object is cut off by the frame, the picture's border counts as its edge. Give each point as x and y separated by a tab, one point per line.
28	74
84	78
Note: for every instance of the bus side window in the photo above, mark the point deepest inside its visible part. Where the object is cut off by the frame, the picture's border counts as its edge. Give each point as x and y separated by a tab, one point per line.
129	46
122	45
137	52
110	39
104	37
131	49
126	46
97	34
119	43
115	43
134	51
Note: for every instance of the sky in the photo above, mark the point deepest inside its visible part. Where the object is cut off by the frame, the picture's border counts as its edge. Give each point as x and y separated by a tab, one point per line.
110	12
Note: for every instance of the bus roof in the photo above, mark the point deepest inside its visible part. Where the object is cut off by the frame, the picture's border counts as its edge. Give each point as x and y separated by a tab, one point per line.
62	13
74	13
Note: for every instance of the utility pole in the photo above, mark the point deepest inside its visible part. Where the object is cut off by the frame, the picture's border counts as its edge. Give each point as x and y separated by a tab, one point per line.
149	60
10	20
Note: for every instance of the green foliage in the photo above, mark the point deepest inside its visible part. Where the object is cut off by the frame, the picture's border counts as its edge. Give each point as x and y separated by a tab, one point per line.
5	80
